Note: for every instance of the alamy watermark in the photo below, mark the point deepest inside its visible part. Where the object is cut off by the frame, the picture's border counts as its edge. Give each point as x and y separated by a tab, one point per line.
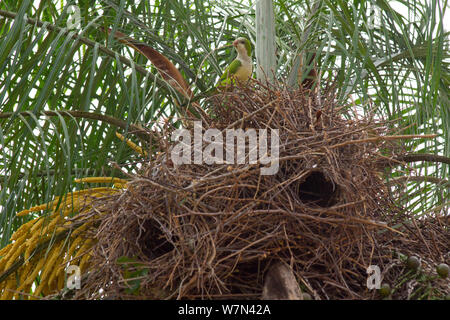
74	20
73	277
374	278
235	139
373	15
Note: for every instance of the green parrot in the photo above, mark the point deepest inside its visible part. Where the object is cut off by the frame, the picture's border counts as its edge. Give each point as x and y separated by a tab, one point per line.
241	68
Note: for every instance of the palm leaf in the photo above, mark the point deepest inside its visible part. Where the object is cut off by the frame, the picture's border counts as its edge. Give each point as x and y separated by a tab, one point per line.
164	66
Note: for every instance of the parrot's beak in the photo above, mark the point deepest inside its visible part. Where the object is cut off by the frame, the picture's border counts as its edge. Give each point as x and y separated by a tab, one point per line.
235	43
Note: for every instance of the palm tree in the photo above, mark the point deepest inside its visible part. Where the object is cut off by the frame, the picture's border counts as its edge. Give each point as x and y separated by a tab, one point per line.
67	85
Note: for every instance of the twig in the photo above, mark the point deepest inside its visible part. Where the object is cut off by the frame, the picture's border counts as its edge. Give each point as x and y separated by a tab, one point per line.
385	138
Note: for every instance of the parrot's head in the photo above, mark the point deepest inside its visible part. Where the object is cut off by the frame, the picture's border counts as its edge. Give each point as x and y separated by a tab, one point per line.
243	46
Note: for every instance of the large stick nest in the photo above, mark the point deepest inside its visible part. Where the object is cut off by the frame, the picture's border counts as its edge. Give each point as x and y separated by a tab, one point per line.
212	231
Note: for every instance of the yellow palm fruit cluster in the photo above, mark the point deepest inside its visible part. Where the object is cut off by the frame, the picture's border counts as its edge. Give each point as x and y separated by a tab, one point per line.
132	145
35	261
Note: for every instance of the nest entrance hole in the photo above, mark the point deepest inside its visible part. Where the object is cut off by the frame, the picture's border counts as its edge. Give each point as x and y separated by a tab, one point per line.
316	189
153	242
